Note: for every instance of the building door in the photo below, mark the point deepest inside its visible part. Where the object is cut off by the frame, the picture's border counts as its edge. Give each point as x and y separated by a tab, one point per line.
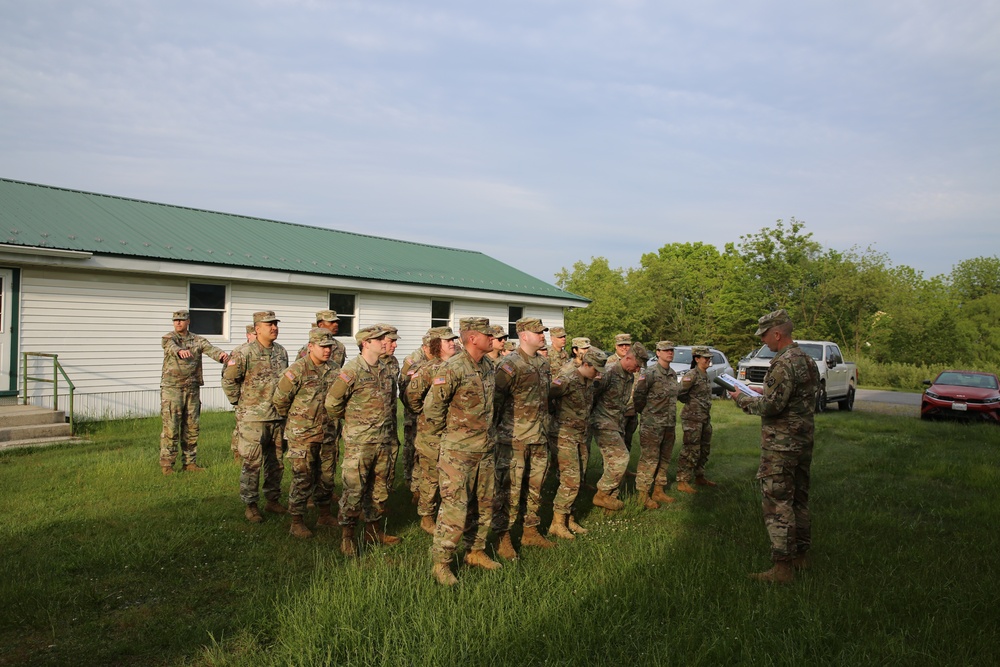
6	280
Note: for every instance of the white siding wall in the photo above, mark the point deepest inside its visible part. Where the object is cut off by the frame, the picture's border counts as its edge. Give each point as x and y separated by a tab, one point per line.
106	328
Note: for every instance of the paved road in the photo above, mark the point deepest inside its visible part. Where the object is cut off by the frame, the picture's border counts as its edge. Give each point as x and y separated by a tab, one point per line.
887	402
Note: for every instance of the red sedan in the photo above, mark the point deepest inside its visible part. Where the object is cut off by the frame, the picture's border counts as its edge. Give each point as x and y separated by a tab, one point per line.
963	395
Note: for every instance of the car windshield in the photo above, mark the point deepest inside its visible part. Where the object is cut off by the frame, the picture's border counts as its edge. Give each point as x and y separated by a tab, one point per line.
967	380
814	351
682	355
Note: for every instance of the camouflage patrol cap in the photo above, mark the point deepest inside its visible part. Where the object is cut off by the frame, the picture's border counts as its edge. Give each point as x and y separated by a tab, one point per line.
480	324
557	332
391	332
327	316
596	357
664	345
182	314
321	337
701	351
251	329
623	339
372	332
532	324
264	316
444	333
509	346
581	343
499	332
772	319
640	352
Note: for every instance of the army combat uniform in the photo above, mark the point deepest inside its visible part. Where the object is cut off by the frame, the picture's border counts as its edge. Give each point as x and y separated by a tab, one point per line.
573	395
613	392
426	442
655	397
180	395
249	381
696	424
409	416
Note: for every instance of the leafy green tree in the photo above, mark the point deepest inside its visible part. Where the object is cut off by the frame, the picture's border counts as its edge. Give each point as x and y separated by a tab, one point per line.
612	309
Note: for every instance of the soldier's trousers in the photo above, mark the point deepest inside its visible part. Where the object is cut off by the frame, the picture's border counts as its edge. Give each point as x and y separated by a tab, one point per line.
428	452
261	446
502	453
180	408
695	450
234	442
385	471
629	425
784	485
329	451
409	447
615	457
363	475
528	465
304	461
467	484
656	443
571	455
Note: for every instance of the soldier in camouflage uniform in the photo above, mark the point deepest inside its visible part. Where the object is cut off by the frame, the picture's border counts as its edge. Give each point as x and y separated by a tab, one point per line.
572	390
522	380
696	421
499	340
249	381
362	396
655	398
459	411
180	392
327	319
234	442
409	417
440	349
558	356
787	429
299	398
612	395
580	347
381	495
623	342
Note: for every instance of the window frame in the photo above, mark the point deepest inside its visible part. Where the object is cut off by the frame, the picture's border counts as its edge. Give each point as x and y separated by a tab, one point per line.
226	310
343	316
512	321
439	321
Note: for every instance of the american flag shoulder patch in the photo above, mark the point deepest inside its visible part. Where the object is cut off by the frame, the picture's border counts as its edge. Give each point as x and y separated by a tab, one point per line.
346	378
288	374
507	368
439	379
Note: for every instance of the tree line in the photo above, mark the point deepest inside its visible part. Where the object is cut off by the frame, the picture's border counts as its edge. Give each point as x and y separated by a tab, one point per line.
694	293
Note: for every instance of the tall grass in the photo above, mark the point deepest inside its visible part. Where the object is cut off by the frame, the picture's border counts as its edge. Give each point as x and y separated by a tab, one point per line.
109	562
895	375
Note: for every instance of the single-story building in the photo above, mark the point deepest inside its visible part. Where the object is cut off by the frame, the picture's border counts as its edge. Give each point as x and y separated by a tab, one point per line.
94	279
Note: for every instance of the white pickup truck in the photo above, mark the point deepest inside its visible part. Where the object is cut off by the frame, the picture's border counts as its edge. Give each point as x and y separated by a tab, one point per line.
838	378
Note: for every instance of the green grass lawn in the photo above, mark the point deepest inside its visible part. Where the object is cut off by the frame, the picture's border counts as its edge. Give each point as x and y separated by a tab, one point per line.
107	562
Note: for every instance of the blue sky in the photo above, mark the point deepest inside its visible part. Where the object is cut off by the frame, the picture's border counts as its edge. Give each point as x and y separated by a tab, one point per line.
540	133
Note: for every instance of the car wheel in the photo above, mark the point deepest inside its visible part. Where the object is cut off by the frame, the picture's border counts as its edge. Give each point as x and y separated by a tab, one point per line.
821	399
848	403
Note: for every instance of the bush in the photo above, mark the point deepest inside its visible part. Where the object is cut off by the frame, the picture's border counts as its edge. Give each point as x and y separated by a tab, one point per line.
896	375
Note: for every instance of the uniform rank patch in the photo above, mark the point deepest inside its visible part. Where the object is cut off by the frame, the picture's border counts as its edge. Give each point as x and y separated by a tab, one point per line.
508	369
288	374
439	380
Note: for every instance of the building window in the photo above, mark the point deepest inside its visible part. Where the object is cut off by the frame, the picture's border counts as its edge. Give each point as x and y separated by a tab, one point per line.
514	313
208	304
346	307
440	313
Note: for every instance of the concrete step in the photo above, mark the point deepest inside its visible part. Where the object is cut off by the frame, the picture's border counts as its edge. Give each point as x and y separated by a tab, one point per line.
23	415
34	431
38	442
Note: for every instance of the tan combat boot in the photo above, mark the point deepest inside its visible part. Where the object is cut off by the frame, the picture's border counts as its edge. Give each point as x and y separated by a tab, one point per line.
647	503
602	499
558	527
192	467
167	470
326	518
443	575
478	558
506	548
299	529
781	573
660	496
532	538
427	524
575	527
274	507
375	535
701	481
685	487
347	542
253	514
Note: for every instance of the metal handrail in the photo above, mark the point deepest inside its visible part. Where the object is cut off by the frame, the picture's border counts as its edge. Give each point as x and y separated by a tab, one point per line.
57	369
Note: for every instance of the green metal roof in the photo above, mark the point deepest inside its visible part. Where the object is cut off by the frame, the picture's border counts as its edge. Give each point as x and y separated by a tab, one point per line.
49	217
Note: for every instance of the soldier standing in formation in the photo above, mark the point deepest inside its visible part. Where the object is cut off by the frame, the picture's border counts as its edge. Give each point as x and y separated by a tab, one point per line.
580	347
362	395
180	392
787	430
655	399
522	380
391	444
459	411
327	319
299	398
696	421
612	396
406	372
440	349
499	339
234	443
248	382
557	349
623	343
572	389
